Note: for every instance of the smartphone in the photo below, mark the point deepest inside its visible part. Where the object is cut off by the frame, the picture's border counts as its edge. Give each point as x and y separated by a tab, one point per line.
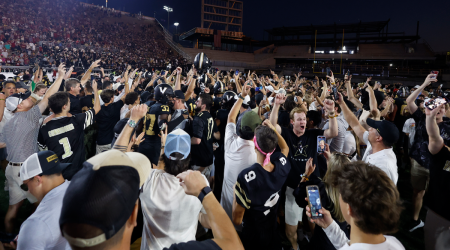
215	144
237	72
314	203
295	99
436	73
432	104
346	75
321	144
335	93
328	71
162	72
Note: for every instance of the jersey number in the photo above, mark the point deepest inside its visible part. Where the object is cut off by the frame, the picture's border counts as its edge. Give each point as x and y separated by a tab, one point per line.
152	119
66	145
165	108
210	127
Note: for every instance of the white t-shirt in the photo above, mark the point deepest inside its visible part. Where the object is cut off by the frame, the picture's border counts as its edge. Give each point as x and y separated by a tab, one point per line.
239	155
384	159
349	143
170	215
41	230
410	128
339	240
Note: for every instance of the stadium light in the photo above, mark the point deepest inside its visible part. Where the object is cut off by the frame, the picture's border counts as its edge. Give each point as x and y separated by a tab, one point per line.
168	9
390	65
176	27
331	51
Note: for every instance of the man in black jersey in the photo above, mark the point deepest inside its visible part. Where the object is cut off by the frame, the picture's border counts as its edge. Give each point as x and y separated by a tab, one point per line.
64	135
203	130
157	114
257	190
90	133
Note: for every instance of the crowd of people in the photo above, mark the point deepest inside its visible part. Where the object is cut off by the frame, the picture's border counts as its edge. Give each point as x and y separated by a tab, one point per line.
78	34
159	160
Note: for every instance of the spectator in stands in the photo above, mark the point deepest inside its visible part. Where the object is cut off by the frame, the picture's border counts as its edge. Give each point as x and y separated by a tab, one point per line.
41	173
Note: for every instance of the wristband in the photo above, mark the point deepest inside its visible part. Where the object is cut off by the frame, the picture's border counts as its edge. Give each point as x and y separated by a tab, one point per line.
304	176
206	190
240	96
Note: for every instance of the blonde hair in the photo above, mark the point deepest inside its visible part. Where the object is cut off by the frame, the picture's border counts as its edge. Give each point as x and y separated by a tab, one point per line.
297	110
335	161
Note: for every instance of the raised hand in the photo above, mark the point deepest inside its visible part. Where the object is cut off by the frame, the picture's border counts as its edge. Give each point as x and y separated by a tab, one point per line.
138	112
192	182
280	99
329	104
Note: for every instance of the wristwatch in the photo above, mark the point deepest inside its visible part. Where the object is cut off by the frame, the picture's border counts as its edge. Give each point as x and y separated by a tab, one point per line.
131	123
240	96
206	190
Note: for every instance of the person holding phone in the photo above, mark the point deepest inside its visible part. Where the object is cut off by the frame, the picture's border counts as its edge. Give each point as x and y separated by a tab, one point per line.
369	220
302	146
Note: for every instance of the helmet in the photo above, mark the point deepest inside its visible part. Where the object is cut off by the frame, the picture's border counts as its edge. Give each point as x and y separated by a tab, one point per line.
163	92
219	88
202	62
228	99
155	82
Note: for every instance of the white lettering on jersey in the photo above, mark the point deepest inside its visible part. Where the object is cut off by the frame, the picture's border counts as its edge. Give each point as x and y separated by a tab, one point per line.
272	201
62	130
163	90
229	97
283	160
250	176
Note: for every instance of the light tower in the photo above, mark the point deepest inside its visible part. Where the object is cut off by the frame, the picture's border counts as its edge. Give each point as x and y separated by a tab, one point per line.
168	9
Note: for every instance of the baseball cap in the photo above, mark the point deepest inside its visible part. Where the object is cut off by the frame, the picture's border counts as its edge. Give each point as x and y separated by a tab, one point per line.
42	163
21	85
177	141
144	96
417	86
386	129
179	94
110	180
280	91
121	87
245	101
251	120
15	99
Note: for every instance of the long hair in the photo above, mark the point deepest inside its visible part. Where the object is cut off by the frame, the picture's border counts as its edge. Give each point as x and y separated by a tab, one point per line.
335	161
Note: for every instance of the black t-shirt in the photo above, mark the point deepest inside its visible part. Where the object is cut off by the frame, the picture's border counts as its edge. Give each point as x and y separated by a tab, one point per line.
222	116
106	120
300	150
151	121
197	245
399	119
257	191
203	127
419	148
75	107
215	106
437	196
65	137
87	103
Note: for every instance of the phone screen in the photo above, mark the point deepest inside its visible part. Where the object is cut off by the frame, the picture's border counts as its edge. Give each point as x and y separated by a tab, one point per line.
335	93
314	201
237	72
328	71
432	104
321	144
435	74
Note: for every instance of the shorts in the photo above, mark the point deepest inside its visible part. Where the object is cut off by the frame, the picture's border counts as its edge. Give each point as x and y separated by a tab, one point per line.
420	176
16	194
102	148
206	170
293	213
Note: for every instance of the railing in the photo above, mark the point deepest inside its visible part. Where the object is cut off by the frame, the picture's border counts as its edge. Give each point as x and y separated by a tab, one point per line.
169	39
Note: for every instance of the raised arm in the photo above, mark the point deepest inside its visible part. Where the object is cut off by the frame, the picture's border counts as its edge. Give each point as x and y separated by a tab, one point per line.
178	81
373	102
410	101
352	97
123	140
191	87
436	141
351	118
53	89
279	99
96	97
332	131
281	142
237	105
87	74
225	235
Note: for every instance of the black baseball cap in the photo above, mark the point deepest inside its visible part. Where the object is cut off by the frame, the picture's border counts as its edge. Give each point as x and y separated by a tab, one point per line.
21	85
42	163
386	129
179	94
103	194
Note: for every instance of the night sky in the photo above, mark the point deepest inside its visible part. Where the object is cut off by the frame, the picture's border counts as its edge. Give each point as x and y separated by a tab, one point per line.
434	16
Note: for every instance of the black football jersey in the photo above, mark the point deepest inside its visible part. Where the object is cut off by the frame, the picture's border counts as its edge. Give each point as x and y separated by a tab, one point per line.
190	104
151	120
258	191
203	127
65	137
222	116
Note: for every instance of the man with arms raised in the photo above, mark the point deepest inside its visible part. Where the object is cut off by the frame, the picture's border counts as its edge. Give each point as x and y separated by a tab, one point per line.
302	146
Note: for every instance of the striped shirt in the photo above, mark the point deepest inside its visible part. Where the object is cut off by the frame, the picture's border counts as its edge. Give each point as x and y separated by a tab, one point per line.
20	134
